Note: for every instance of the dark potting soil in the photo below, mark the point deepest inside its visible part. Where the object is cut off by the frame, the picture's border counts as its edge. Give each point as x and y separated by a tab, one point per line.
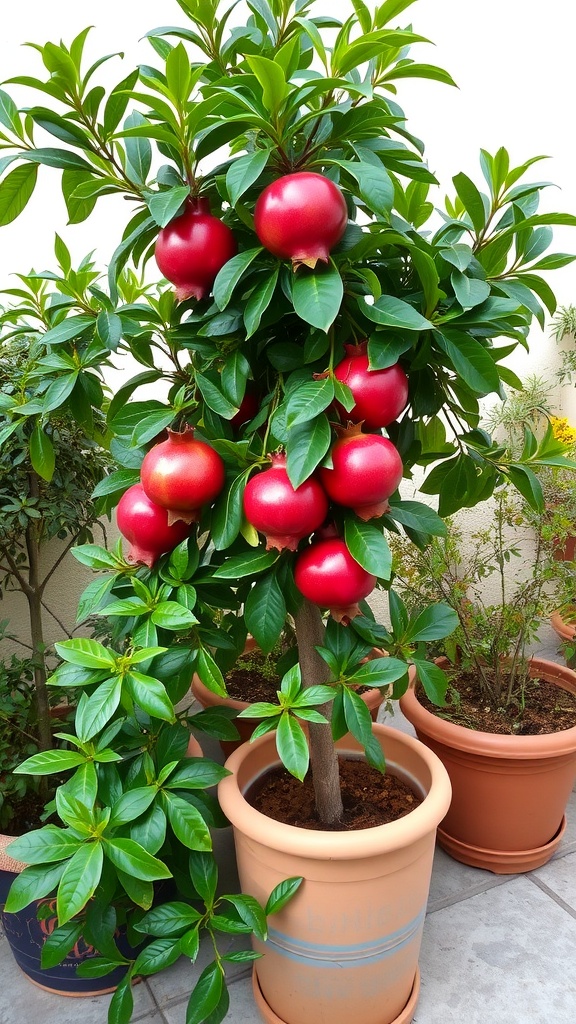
27	815
541	708
254	678
369	797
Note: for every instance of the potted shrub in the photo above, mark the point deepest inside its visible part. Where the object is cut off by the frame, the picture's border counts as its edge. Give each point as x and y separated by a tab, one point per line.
508	734
307	289
49	465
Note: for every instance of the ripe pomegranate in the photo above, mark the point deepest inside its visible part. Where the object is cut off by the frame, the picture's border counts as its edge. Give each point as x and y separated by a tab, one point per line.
145	526
301	217
366	471
192	248
182	474
328	576
284	514
379	395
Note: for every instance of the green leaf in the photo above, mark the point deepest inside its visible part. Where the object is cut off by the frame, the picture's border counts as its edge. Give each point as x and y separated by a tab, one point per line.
58	944
368	546
265	612
109	327
272	79
118	101
33	883
308	400
150	694
50	762
122	1003
168	919
165	205
242	173
178	73
470	360
306	447
317	296
433	679
393	312
246	564
251	913
214	397
230	274
42	455
528	484
79	880
209	672
472	200
206	995
86	653
171	615
204	875
469	291
138	150
62	158
187	823
70	328
15	191
99	708
227	514
434	623
135	860
156	956
44	845
258	302
417	516
131	805
282	894
292	746
374	184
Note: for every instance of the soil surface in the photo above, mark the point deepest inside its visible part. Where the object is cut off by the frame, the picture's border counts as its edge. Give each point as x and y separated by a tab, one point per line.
27	815
540	708
369	798
254	678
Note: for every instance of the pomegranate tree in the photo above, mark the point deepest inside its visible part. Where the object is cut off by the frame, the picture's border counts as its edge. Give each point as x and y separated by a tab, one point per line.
192	248
267	168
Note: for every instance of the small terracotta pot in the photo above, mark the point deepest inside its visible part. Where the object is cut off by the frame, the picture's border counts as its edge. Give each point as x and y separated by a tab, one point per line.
565	630
346	946
509	792
245	726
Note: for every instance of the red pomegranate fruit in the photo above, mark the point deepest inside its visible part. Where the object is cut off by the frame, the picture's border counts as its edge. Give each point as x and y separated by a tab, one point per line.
284	514
328	575
379	395
145	526
301	217
192	248
367	469
182	474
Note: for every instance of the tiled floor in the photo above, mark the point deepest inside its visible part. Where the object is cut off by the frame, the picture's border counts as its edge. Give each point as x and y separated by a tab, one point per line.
496	950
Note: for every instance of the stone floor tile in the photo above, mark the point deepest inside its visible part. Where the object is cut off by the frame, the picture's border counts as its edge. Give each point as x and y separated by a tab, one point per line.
176	982
505	956
452	881
20	1000
560	876
242	1007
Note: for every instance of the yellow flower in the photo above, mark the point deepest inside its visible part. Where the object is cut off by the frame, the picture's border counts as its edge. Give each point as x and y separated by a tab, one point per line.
562	430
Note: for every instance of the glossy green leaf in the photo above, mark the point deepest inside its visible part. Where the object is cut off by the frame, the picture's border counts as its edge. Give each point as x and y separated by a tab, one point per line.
433	679
265	612
243	172
393	312
93	715
368	546
230	274
84	652
282	894
306	447
317	296
135	860
49	762
150	694
292	746
206	995
165	205
15	191
79	880
42	455
34	883
259	301
246	564
187	823
470	360
472	200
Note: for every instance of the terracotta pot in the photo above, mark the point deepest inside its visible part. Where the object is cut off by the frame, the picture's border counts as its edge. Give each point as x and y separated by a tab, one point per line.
565	630
346	946
509	792
565	550
245	726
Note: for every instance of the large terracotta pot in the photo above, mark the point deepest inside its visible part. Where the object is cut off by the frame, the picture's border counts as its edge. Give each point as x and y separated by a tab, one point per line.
509	792
372	698
346	946
565	630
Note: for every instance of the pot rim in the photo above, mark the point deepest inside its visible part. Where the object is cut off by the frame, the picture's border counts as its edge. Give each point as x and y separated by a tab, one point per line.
335	845
498	744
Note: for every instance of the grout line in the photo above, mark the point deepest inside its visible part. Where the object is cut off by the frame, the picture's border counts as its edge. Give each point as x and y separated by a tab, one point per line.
553	895
156	1007
476	890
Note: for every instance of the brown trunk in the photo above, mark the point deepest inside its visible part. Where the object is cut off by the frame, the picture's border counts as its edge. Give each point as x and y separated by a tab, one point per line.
325	774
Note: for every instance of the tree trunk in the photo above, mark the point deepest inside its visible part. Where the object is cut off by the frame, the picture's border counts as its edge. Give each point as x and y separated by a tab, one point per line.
324	760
